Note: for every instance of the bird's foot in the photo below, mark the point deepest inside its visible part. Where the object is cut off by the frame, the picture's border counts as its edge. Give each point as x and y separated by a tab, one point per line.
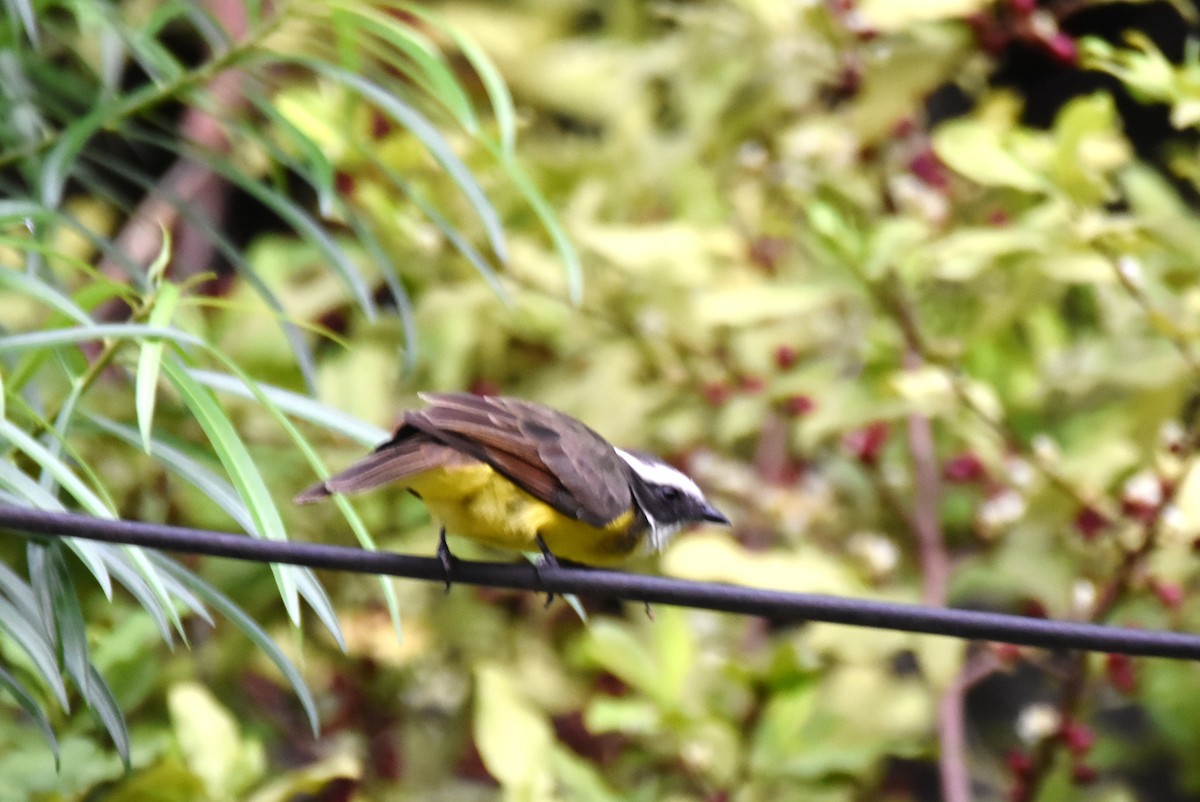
549	559
445	558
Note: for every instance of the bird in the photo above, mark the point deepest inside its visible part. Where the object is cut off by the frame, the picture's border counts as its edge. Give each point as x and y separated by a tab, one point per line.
522	476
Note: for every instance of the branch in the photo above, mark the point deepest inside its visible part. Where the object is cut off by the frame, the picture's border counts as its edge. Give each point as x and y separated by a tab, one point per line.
776	605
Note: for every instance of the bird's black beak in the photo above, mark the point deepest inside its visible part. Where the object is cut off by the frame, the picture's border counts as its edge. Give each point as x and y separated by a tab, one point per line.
710	513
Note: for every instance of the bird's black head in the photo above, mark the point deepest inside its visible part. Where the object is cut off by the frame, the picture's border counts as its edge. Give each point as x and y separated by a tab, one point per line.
667	497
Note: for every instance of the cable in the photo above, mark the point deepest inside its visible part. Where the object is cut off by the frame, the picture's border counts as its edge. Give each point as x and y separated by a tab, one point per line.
776	605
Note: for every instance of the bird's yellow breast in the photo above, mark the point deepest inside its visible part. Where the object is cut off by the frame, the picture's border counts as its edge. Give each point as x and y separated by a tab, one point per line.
475	501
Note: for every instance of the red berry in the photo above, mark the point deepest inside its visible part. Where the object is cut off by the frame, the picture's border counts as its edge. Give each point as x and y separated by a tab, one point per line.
927	167
484	387
1019	763
751	384
381	126
1170	594
904	127
1022	7
1079	738
343	183
798	405
717	393
766	252
964	468
1089	521
992	37
1083	774
848	82
786	357
867	443
1138	510
1007	653
1119	670
1032	608
1063	48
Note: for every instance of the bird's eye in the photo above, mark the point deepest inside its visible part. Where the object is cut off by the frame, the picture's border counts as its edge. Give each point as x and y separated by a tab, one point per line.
670	493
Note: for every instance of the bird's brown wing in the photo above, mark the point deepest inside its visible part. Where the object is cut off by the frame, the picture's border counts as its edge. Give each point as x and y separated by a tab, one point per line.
408	453
550	455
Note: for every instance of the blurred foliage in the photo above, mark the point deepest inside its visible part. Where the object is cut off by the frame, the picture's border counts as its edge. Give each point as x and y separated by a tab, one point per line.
828	264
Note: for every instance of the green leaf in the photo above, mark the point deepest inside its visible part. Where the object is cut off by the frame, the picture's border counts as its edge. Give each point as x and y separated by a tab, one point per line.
891	16
55	467
212	745
140	590
44	292
232	453
493	82
512	736
581	778
613	647
158	268
298	406
31	707
541	207
101	701
32	494
28	635
456	237
61	472
223	605
307	585
631	716
73	336
150	359
429	136
431	72
978	151
783	721
50	579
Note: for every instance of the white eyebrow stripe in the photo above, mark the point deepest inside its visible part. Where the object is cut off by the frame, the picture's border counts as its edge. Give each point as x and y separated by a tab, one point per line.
659	473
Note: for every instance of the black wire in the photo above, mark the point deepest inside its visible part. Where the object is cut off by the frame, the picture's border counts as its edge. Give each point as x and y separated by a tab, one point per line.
781	606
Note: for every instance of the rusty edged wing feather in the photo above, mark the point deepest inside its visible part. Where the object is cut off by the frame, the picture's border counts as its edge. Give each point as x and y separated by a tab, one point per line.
548	454
390	462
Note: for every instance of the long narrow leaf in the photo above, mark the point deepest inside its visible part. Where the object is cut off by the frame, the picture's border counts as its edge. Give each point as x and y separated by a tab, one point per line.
432	73
237	258
47	570
102	702
298	406
30	493
309	588
303	223
240	467
493	83
40	290
86	497
149	360
222	604
456	237
429	136
541	207
74	336
141	591
391	276
224	496
18	592
31	707
27	634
